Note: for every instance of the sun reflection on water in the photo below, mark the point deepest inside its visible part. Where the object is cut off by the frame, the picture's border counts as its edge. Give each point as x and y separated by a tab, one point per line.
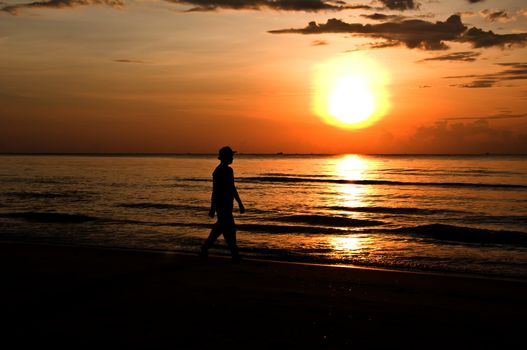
351	167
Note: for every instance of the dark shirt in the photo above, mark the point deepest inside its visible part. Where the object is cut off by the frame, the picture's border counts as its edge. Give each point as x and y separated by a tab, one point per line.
223	188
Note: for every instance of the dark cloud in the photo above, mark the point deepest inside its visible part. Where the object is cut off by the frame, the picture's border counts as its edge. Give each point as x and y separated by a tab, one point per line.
205	5
383	44
477	136
400	5
13	9
282	5
411	33
466	56
480	38
415	33
124	60
360	7
375	45
478	83
383	17
496	15
475	1
490	117
514	71
515	66
319	43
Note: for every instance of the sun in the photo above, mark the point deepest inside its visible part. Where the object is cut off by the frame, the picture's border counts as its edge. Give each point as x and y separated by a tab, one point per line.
350	91
350	101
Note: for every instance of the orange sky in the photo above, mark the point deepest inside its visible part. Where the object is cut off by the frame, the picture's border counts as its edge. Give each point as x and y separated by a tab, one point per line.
151	76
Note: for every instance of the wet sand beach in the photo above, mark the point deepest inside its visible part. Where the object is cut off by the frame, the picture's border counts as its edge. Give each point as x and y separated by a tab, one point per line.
87	297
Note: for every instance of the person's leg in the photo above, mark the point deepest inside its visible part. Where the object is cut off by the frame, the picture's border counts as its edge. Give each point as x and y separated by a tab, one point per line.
214	234
230	238
229	234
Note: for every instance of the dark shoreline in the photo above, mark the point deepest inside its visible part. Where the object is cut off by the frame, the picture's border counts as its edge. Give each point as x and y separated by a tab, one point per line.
273	260
84	297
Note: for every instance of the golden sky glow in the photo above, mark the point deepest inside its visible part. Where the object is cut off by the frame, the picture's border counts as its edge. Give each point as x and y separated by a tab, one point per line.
447	76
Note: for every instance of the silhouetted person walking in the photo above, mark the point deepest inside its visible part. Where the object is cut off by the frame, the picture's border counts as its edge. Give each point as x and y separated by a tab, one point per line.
222	201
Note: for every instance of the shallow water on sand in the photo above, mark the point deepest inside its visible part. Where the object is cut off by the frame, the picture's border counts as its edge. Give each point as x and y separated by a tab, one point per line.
463	214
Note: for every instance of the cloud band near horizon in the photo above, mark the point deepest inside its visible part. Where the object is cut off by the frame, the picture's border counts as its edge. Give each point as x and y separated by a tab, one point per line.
202	5
58	4
415	33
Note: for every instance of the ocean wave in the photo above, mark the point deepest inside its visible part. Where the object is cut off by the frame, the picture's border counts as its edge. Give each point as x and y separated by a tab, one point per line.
170	206
392	210
335	221
194	179
455	173
148	205
498	219
288	229
439	232
466	234
49	217
34	195
322	176
44	181
279	179
46	195
264	228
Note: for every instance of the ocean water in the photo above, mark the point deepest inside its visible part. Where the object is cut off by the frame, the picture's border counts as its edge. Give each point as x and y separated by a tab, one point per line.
454	214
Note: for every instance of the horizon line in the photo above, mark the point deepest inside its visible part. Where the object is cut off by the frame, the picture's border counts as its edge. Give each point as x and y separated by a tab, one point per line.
88	154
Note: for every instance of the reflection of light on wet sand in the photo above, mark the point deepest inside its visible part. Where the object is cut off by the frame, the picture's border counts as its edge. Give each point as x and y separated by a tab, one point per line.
351	167
350	245
347	243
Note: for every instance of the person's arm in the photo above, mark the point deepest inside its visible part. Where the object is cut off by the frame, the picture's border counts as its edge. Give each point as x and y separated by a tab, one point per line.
213	199
237	197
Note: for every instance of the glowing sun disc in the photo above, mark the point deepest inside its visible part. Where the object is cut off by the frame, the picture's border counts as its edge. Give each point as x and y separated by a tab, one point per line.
350	91
350	100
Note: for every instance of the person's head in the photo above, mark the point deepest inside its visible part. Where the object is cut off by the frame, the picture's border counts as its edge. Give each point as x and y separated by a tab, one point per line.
226	154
